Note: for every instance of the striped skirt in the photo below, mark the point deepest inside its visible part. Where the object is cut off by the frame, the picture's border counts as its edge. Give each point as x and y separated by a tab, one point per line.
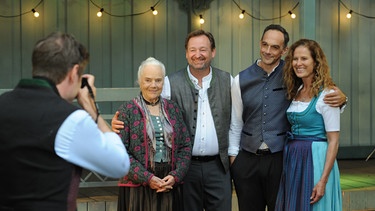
143	198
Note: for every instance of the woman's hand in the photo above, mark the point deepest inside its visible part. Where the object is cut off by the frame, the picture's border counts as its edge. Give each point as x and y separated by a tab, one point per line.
167	185
116	124
318	192
162	185
156	183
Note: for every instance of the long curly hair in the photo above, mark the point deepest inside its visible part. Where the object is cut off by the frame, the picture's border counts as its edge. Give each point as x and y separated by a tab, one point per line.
322	78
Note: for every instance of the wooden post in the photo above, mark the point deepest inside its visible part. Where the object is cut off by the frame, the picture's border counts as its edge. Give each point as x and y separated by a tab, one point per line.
308	19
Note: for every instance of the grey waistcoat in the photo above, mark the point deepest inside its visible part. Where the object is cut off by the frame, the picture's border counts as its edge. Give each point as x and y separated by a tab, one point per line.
264	108
219	94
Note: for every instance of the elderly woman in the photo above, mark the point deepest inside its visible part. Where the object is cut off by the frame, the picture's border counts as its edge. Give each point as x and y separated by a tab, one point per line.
311	178
158	144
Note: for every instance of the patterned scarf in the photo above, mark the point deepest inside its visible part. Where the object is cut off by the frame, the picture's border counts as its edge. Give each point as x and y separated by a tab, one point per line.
167	128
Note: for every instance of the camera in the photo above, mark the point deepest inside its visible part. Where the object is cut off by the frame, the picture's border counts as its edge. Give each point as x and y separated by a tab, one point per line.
84	83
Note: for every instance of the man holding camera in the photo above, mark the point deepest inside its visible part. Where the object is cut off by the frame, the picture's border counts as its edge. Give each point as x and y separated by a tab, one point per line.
45	140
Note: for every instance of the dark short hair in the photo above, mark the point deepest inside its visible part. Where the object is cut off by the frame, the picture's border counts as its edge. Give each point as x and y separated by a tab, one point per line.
55	54
280	29
200	32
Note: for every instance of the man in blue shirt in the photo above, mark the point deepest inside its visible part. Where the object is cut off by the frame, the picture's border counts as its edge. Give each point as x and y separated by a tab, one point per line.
45	140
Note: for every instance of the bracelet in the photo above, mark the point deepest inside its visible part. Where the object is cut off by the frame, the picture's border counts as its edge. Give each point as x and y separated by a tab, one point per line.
97	112
344	104
346	101
97	116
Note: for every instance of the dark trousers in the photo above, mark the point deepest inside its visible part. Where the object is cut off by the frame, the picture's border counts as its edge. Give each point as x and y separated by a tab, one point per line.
206	186
256	179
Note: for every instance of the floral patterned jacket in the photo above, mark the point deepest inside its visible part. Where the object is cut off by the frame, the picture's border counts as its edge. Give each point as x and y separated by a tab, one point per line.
135	139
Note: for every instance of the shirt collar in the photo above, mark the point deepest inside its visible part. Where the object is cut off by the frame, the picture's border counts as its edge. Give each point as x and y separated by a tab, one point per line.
194	80
259	60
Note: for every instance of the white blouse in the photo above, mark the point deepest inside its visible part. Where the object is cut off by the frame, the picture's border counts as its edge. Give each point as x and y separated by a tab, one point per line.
331	115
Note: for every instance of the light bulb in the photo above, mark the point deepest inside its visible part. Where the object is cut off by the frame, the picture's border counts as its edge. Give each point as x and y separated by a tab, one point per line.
349	15
292	15
36	14
241	16
201	20
100	13
154	11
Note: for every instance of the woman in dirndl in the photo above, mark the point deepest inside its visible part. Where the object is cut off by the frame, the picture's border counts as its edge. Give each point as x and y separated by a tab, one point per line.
311	178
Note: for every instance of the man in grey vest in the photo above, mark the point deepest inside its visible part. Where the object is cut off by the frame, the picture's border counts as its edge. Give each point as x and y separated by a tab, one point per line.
204	94
259	124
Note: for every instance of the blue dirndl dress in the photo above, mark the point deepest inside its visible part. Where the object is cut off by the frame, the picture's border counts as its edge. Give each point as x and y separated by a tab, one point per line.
304	160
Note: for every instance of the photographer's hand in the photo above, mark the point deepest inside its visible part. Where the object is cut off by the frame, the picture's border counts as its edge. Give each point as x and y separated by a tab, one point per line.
87	102
85	99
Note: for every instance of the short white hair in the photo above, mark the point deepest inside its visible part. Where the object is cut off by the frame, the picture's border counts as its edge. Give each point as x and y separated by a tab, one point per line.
150	61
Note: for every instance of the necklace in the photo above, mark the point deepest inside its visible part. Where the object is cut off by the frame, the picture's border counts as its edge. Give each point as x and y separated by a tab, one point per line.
304	96
151	103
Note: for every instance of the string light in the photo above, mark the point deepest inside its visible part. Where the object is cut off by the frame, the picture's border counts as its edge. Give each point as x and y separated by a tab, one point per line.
36	14
266	19
349	15
100	13
351	12
24	13
154	11
241	16
292	15
201	20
